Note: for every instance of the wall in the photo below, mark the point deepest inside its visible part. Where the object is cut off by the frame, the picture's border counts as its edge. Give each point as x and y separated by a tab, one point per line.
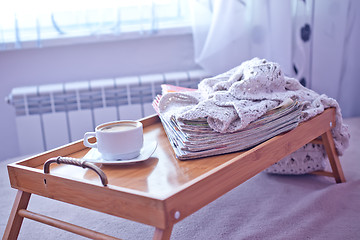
85	62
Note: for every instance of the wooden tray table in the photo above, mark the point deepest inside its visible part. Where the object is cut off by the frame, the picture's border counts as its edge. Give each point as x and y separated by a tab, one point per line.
160	191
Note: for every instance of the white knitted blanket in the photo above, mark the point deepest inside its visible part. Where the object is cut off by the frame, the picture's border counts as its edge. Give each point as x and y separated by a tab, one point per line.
230	101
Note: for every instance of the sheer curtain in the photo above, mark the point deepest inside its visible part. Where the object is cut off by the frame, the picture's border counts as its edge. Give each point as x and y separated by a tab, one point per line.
229	32
336	52
314	41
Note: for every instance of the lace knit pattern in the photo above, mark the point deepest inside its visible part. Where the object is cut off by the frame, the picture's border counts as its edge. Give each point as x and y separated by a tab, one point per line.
230	101
309	158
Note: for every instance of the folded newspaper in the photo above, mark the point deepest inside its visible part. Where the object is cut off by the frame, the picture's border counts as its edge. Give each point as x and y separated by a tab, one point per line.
192	139
234	111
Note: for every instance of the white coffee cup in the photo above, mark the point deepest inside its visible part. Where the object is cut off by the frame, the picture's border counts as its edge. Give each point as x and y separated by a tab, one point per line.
117	140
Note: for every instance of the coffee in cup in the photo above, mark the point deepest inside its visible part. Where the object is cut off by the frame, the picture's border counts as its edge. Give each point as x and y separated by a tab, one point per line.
118	127
117	140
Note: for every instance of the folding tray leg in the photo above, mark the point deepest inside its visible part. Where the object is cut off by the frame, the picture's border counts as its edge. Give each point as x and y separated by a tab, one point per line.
163	234
329	145
15	220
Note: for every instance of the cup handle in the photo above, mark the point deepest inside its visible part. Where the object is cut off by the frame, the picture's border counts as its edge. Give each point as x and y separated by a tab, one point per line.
86	140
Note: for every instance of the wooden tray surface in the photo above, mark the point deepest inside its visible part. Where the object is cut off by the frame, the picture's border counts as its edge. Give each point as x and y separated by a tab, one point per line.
159	176
163	184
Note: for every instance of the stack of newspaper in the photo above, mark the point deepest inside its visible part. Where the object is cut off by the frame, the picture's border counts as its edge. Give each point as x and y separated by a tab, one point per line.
195	139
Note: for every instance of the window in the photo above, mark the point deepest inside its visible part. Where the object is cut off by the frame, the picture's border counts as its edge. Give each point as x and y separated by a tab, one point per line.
42	22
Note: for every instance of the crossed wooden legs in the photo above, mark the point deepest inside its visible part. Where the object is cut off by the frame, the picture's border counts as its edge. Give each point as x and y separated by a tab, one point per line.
337	172
15	220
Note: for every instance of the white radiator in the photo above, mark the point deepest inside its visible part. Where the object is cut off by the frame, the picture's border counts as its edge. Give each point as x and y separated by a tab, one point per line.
49	116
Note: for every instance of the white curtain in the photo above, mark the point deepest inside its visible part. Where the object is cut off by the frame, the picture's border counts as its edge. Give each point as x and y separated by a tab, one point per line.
229	32
336	51
314	41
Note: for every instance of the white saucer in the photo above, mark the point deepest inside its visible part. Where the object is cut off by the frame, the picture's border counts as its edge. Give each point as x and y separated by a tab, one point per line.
148	149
